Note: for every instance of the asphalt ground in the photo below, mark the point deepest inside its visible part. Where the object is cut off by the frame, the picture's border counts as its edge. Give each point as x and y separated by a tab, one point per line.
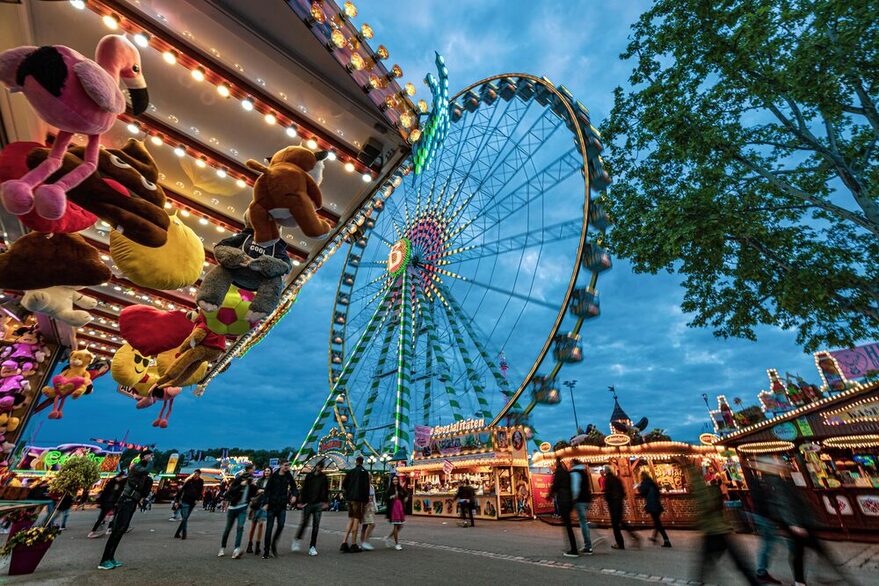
435	551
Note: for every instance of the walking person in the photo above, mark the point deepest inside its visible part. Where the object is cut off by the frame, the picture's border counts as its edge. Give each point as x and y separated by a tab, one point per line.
64	506
653	506
107	502
280	490
188	495
560	490
315	497
466	498
796	518
396	513
356	488
138	483
258	515
581	493
238	497
716	531
368	524
615	495
767	529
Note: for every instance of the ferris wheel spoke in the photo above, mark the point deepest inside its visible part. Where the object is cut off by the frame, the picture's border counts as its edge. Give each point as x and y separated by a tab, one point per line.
496	289
404	358
541	183
378	318
524	240
316	428
445	370
475	380
366	418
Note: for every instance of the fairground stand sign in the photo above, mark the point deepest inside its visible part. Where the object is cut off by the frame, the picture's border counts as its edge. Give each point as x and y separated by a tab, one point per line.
36	459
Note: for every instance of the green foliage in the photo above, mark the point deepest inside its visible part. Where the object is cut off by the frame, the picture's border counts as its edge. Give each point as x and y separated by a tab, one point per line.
75	474
745	159
560	445
656	435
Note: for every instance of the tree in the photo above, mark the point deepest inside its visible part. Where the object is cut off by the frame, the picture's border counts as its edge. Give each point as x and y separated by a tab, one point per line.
75	474
744	157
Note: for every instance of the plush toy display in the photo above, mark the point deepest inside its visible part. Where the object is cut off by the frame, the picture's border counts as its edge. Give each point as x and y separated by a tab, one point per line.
152	331
75	95
37	261
177	263
124	192
12	383
27	346
287	193
230	319
72	382
133	370
168	394
97	369
247	265
59	303
200	347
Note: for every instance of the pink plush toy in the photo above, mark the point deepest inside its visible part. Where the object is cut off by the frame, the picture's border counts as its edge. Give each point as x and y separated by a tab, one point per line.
76	95
11	381
168	394
28	347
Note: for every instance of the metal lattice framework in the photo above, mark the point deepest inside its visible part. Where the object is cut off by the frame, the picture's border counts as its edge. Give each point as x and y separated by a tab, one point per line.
454	290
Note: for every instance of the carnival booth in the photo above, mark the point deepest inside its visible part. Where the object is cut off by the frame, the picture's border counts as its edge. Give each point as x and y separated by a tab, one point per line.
494	461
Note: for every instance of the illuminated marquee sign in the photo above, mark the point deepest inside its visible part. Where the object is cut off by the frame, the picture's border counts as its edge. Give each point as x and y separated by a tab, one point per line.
46	459
466	425
617	439
335	441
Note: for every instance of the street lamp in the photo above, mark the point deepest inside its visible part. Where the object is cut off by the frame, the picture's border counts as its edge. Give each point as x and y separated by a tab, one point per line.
385	458
571	384
371	461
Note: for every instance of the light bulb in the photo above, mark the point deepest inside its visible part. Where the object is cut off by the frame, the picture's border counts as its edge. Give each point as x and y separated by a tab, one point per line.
270	118
349	166
142	40
203	221
311	143
133	128
241	183
111	21
331	156
184	213
366	177
168	205
78	4
201	163
220	229
247	104
291	132
221	173
224	90
180	151
156	140
198	74
170	57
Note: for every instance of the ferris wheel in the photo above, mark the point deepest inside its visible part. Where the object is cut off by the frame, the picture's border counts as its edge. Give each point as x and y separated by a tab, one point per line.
462	295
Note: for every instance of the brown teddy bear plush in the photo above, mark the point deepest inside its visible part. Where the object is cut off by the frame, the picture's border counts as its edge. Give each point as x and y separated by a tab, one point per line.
287	194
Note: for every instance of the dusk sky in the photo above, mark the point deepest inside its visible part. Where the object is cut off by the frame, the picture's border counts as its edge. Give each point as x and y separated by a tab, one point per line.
641	343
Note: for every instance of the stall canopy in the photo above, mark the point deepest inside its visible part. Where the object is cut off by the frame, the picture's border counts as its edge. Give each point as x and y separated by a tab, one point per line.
228	81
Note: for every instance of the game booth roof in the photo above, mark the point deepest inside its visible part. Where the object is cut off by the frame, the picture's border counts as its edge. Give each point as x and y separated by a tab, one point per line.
228	81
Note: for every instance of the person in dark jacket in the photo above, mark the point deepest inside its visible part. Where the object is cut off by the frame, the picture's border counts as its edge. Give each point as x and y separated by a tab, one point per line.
356	488
238	497
767	529
315	497
560	490
615	495
653	506
107	500
65	503
188	495
581	493
280	490
466	497
136	487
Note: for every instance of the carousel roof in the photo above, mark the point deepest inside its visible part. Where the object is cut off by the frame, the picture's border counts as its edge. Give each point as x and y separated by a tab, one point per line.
228	81
618	413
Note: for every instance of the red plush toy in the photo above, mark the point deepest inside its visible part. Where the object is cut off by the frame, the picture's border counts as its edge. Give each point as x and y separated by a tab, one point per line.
152	331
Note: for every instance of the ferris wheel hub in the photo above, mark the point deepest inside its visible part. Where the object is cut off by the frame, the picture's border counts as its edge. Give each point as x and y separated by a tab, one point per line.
399	257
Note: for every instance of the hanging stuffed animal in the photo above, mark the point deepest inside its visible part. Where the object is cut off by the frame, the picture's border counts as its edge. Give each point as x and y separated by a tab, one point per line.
97	369
75	95
168	396
200	347
61	303
286	193
133	370
27	346
72	382
12	384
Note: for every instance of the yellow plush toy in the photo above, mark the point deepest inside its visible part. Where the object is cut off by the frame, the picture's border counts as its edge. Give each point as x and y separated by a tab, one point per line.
177	263
132	369
72	382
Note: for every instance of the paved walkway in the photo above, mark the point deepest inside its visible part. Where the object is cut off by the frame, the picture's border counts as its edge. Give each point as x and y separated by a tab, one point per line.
436	551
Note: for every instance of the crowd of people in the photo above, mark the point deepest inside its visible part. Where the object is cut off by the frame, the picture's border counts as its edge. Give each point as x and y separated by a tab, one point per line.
261	500
780	513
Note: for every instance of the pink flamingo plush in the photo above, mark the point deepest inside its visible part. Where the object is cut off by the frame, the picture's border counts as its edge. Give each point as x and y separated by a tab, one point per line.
168	394
74	94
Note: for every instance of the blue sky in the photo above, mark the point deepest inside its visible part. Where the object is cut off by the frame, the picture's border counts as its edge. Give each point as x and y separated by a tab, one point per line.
640	344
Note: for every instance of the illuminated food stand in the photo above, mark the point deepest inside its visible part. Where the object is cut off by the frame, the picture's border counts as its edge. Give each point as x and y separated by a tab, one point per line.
494	461
663	460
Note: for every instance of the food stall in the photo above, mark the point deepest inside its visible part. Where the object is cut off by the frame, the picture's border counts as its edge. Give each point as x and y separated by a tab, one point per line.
663	460
494	461
831	449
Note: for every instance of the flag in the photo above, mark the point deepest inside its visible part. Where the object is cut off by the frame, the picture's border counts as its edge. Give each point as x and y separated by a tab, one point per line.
448	467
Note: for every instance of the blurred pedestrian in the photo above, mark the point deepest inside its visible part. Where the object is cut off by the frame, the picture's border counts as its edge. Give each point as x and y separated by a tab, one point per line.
368	524
717	536
188	495
581	493
396	513
258	514
466	497
560	490
65	503
796	518
767	529
107	499
238	497
653	506
356	487
280	489
615	495
315	497
138	484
